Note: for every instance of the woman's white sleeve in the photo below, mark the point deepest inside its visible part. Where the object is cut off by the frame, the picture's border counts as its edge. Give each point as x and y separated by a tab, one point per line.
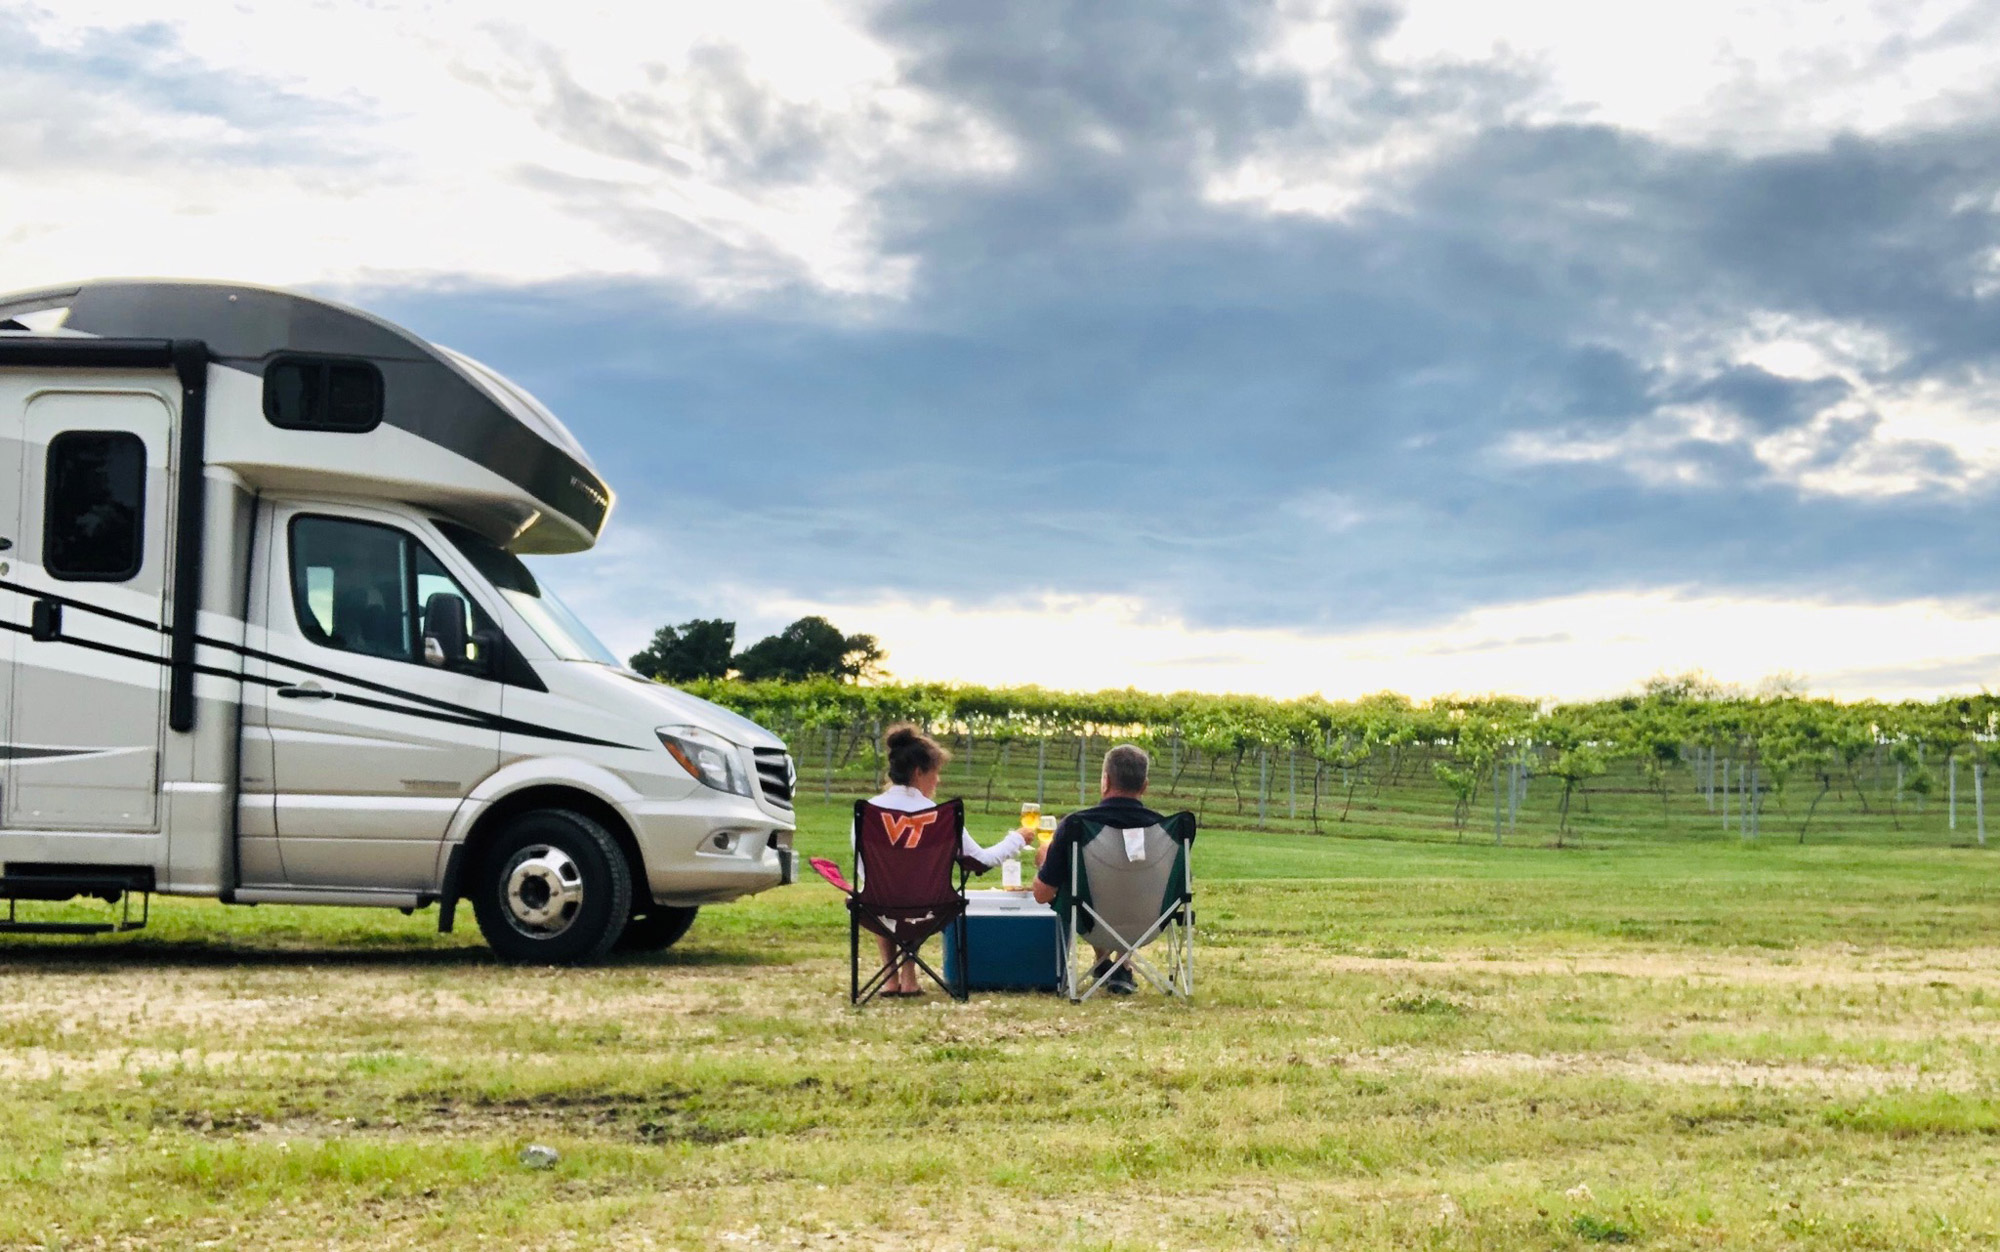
989	857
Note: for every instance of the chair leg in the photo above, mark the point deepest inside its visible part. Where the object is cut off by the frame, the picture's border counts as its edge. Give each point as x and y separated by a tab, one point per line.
877	984
1187	955
911	955
859	992
1128	955
1066	936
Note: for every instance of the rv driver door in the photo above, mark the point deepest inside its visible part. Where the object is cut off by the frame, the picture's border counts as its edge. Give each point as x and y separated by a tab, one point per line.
374	744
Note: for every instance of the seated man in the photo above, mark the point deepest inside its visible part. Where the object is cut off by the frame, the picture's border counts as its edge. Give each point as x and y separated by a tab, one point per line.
1121	785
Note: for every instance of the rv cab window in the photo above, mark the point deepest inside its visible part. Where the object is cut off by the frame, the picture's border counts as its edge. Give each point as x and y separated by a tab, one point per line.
362	587
550	619
94	511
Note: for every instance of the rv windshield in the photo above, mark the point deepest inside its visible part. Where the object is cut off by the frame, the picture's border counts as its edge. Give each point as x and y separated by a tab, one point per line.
547	616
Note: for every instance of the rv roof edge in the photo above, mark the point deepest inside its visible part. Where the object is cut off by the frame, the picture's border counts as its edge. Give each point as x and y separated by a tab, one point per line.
36	351
473	441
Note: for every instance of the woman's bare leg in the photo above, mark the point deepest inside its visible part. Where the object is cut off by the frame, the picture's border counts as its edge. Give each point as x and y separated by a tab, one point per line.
895	980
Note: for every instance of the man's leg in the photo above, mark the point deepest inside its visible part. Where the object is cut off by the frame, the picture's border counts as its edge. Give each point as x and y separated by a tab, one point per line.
1120	983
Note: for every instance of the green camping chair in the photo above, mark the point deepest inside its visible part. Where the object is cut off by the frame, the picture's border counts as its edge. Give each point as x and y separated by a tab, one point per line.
1128	889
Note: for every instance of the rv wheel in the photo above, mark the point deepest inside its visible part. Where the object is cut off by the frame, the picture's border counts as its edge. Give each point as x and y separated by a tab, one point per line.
554	888
656	929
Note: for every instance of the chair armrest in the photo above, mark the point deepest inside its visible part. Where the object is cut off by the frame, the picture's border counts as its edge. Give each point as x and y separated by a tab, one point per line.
828	870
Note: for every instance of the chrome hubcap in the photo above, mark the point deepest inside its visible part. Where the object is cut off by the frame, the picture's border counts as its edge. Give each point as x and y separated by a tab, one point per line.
544	891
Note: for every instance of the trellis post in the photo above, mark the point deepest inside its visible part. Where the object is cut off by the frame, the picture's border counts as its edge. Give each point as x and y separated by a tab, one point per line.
1263	781
1292	783
1756	800
1979	797
1496	798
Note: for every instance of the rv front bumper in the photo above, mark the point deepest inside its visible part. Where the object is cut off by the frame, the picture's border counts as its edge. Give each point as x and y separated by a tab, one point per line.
711	856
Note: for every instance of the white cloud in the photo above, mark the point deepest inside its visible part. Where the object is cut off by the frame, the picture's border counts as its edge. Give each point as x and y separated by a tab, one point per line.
484	140
1750	76
1332	511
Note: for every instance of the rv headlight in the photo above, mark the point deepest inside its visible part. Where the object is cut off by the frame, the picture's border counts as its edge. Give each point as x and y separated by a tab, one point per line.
707	758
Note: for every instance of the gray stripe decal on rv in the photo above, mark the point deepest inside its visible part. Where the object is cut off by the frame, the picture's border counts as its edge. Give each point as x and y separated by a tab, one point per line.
22	752
441	710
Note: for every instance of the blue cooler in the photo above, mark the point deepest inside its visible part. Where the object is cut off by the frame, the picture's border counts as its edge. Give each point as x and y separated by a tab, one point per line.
1010	941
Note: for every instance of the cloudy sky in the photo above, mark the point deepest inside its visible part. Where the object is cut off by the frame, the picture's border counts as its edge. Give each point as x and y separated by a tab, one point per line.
1442	346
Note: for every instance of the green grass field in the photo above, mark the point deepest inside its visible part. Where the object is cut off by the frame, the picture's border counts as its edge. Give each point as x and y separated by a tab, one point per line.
1664	1038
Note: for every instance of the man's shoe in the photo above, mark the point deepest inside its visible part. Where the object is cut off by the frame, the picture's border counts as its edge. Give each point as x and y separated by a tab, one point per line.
1122	983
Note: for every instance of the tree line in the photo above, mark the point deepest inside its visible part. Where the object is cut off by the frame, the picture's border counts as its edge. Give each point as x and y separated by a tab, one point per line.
704	649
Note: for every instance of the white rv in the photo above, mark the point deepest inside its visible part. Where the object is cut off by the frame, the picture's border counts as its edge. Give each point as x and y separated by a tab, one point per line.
267	638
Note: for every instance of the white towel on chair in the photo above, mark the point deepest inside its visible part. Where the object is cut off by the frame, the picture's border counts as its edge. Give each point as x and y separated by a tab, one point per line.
1135	843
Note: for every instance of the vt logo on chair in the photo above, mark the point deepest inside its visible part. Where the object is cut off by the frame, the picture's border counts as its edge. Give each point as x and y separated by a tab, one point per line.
905	829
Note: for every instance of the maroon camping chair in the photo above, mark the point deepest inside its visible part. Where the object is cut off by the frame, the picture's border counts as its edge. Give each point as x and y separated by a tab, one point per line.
903	863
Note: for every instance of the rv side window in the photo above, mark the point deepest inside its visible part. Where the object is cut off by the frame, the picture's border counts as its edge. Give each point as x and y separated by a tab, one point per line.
313	393
94	514
361	587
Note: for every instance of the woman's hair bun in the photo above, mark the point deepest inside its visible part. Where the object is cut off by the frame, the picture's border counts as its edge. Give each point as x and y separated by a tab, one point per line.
911	752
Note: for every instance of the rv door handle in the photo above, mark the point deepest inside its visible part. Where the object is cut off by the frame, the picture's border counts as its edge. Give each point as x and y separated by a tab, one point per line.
6	545
305	691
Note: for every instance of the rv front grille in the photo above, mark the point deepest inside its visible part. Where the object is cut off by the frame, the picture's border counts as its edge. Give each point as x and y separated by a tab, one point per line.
775	775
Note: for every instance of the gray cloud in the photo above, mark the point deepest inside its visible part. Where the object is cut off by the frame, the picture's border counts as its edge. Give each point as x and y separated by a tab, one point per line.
1105	381
713	111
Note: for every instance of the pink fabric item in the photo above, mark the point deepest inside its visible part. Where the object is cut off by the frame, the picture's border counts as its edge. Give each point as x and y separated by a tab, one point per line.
831	872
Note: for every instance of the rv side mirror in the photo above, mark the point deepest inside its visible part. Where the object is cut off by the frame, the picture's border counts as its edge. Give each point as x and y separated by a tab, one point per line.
444	630
485	653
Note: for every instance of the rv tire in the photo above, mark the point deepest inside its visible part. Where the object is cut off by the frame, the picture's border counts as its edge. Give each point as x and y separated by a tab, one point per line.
553	888
658	928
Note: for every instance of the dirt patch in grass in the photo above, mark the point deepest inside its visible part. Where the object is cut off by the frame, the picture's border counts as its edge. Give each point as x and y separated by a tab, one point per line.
234	1000
1967	969
1844	1080
36	1064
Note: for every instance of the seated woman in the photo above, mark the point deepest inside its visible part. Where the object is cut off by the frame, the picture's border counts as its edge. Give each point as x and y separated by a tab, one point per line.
915	763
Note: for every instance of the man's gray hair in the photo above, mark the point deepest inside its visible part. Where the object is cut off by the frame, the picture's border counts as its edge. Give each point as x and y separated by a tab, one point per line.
1125	768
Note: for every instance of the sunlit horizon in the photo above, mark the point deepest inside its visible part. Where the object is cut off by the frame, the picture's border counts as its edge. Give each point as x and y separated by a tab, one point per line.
1581	647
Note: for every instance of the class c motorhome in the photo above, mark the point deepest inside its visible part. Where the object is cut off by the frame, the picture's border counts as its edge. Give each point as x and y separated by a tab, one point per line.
268	638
